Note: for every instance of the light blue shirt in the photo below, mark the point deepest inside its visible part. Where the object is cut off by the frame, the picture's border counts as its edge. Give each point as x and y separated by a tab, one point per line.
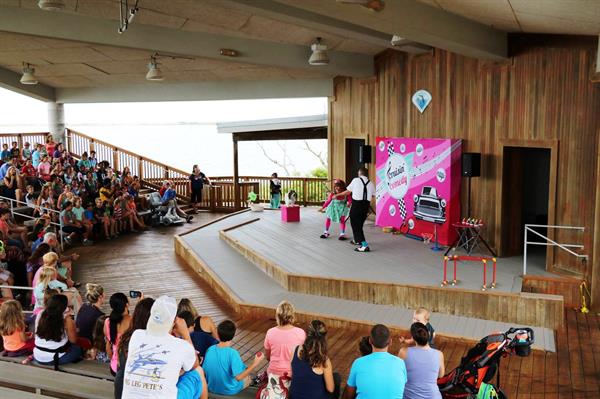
3	170
169	195
379	375
221	365
36	158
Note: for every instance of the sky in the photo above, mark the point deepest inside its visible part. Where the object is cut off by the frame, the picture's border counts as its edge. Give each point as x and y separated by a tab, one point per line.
179	134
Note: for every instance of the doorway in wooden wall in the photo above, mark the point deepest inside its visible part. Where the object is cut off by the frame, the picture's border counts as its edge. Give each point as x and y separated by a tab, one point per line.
352	156
526	189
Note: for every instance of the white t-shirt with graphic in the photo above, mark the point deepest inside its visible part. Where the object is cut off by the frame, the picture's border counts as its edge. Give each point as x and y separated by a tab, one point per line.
153	365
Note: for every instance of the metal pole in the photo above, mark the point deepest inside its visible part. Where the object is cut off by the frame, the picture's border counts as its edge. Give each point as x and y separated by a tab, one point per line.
525	253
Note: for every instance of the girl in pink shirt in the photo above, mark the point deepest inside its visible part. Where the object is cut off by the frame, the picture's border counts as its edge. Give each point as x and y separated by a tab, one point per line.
281	341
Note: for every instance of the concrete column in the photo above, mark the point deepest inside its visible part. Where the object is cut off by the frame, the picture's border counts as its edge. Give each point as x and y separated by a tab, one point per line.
56	121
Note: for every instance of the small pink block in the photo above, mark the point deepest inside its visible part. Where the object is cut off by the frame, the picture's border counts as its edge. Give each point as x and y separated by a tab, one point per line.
290	214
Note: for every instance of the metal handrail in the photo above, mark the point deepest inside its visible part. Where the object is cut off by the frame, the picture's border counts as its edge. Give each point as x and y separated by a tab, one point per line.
550	242
11	201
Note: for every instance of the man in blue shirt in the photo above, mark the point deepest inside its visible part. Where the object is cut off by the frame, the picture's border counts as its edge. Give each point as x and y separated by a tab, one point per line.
225	372
379	375
4	168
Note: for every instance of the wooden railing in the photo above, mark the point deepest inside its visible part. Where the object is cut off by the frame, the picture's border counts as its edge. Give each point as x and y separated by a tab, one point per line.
218	197
22	138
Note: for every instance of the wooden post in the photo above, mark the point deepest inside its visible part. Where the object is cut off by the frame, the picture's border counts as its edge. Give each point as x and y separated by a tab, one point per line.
115	159
305	191
236	183
166	173
92	148
140	168
20	141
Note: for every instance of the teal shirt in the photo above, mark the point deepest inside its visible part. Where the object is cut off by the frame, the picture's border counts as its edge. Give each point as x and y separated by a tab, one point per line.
221	365
78	212
379	375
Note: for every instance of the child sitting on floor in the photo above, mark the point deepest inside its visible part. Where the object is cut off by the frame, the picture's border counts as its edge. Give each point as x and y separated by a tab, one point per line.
98	350
16	341
337	210
421	315
225	372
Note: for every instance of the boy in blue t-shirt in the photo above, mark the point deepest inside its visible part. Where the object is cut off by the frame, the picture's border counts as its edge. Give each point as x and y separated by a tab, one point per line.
379	375
225	372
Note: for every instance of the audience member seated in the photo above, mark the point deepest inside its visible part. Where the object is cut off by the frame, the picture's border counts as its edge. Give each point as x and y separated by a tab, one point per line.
56	334
226	374
203	324
17	342
279	344
364	346
312	372
116	324
11	189
139	320
90	312
168	356
169	197
424	365
97	351
201	340
379	375
421	315
71	226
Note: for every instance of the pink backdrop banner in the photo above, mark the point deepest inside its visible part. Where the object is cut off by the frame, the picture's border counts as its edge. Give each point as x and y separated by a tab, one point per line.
418	185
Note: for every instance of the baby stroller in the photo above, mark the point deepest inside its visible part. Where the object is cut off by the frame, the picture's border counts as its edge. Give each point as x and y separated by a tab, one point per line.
482	362
165	215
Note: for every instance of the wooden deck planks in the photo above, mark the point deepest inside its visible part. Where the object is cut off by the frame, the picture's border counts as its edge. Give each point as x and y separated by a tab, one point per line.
147	262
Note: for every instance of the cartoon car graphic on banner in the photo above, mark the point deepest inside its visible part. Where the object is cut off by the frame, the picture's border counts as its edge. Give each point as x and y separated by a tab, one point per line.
429	207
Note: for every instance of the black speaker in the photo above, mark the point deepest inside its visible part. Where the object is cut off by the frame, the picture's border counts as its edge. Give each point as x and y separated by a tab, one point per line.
364	154
471	164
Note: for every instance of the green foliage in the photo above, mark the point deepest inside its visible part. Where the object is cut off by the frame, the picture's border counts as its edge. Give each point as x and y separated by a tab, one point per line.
318	172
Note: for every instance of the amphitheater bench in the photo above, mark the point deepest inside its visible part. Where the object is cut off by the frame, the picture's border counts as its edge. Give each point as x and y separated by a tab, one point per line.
49	382
7	393
85	368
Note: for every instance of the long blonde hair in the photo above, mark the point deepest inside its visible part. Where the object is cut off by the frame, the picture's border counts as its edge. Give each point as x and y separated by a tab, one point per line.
50	259
11	318
186	305
47	275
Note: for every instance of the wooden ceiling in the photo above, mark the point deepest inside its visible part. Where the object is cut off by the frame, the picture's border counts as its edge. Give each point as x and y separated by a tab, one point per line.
574	17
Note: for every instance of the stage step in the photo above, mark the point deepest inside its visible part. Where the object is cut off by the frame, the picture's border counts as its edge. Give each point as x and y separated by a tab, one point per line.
245	285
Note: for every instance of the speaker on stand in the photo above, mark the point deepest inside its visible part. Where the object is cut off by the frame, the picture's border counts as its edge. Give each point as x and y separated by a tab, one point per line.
471	167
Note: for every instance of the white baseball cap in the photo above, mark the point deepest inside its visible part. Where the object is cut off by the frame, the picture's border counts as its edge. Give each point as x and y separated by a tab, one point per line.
162	316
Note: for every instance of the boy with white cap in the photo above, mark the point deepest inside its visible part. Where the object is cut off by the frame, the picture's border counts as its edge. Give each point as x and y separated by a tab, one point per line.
160	365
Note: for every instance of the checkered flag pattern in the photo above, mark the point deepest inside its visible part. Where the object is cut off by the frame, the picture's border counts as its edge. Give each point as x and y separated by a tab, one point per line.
402	207
390	149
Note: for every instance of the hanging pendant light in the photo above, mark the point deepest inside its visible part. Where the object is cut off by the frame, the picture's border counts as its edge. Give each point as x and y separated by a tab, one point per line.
51	5
28	77
319	53
154	72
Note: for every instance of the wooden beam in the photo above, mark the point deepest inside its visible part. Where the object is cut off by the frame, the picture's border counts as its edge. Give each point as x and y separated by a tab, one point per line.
202	91
11	80
310	133
81	28
418	22
236	175
326	23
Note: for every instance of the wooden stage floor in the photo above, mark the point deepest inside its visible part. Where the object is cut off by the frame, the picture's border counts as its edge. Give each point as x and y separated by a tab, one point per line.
147	262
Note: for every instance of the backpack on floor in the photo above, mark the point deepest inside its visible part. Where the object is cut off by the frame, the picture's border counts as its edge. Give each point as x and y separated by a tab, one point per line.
274	387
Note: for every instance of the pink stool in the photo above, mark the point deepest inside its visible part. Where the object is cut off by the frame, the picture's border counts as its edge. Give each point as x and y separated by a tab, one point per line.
290	214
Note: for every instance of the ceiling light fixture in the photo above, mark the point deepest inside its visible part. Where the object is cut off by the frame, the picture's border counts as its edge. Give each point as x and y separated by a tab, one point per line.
51	5
227	52
28	77
375	5
319	53
154	73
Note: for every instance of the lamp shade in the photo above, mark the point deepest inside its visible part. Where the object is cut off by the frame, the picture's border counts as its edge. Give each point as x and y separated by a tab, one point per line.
28	77
154	72
319	54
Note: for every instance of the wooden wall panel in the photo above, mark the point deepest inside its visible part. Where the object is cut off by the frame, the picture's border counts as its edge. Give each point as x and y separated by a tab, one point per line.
542	93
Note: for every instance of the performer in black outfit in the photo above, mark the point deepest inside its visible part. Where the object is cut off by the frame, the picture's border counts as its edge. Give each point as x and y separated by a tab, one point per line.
362	190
